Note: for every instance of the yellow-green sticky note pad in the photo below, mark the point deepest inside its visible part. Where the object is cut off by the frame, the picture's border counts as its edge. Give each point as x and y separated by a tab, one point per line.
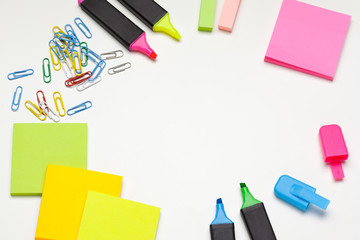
110	218
35	145
64	197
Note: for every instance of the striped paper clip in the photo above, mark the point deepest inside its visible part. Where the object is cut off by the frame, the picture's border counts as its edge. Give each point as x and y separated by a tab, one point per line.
112	55
83	28
76	61
83	57
78	79
16	99
35	110
79	108
49	112
46	74
97	70
57	97
20	74
85	85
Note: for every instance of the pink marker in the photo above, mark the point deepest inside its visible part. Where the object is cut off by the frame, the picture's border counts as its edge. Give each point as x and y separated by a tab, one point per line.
228	15
334	149
118	25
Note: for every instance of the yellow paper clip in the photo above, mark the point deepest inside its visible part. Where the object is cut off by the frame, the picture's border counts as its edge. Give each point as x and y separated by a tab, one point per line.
57	63
57	29
76	59
61	102
39	112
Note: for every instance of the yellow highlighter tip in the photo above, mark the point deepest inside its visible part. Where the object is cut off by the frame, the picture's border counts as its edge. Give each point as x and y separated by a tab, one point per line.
164	25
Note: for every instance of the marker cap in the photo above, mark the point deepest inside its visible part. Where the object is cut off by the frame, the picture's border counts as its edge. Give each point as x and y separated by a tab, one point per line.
334	148
298	193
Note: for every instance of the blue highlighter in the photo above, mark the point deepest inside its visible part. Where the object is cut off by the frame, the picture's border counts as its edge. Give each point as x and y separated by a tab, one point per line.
222	228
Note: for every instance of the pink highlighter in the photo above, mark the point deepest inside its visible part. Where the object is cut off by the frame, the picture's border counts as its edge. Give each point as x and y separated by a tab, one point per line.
334	149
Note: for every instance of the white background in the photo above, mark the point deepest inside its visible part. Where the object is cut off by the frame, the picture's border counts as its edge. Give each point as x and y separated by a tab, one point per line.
186	129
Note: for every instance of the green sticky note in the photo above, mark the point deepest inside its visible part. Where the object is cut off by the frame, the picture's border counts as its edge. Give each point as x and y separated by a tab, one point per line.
207	15
35	145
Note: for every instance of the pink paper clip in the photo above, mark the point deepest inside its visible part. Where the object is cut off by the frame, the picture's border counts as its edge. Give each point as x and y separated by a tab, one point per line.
334	149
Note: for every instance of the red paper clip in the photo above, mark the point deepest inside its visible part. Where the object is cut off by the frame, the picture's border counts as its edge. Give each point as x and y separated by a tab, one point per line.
43	97
78	79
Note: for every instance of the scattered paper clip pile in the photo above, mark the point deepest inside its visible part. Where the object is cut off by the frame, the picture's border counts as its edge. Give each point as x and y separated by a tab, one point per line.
69	54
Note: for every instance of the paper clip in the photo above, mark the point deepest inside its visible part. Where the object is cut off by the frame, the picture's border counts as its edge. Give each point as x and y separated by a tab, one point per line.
112	55
54	47
57	63
76	59
66	68
78	79
91	54
39	97
84	58
70	31
57	29
20	74
15	105
50	113
83	28
39	112
97	70
56	98
46	76
81	107
87	84
120	68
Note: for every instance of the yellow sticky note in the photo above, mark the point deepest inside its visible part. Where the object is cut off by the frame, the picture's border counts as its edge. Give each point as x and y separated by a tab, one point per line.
110	218
64	196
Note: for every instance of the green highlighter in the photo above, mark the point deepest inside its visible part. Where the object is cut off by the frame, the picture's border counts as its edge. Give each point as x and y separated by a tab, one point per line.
255	217
207	15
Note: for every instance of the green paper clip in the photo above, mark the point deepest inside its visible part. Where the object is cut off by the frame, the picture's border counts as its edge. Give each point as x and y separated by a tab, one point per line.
46	76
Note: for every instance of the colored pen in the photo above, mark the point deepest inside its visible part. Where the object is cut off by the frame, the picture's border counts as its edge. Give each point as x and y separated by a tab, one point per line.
255	217
118	25
153	15
222	228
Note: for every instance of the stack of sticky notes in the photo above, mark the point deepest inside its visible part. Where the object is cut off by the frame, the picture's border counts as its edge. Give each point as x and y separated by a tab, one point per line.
307	38
50	159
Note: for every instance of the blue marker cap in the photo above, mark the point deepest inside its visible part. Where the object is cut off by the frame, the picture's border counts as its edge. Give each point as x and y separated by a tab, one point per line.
298	193
220	217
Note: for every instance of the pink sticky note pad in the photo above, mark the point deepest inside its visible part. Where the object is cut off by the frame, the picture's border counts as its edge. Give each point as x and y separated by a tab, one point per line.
228	15
307	38
334	148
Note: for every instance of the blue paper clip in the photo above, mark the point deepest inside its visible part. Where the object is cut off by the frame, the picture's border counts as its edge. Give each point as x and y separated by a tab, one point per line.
15	105
81	107
70	31
20	74
97	70
91	54
56	49
83	28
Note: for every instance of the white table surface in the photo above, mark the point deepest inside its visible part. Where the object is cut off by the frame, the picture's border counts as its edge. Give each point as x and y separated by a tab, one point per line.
186	129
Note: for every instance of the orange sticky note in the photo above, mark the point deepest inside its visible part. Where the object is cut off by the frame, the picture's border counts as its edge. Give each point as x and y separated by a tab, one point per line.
228	15
64	196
